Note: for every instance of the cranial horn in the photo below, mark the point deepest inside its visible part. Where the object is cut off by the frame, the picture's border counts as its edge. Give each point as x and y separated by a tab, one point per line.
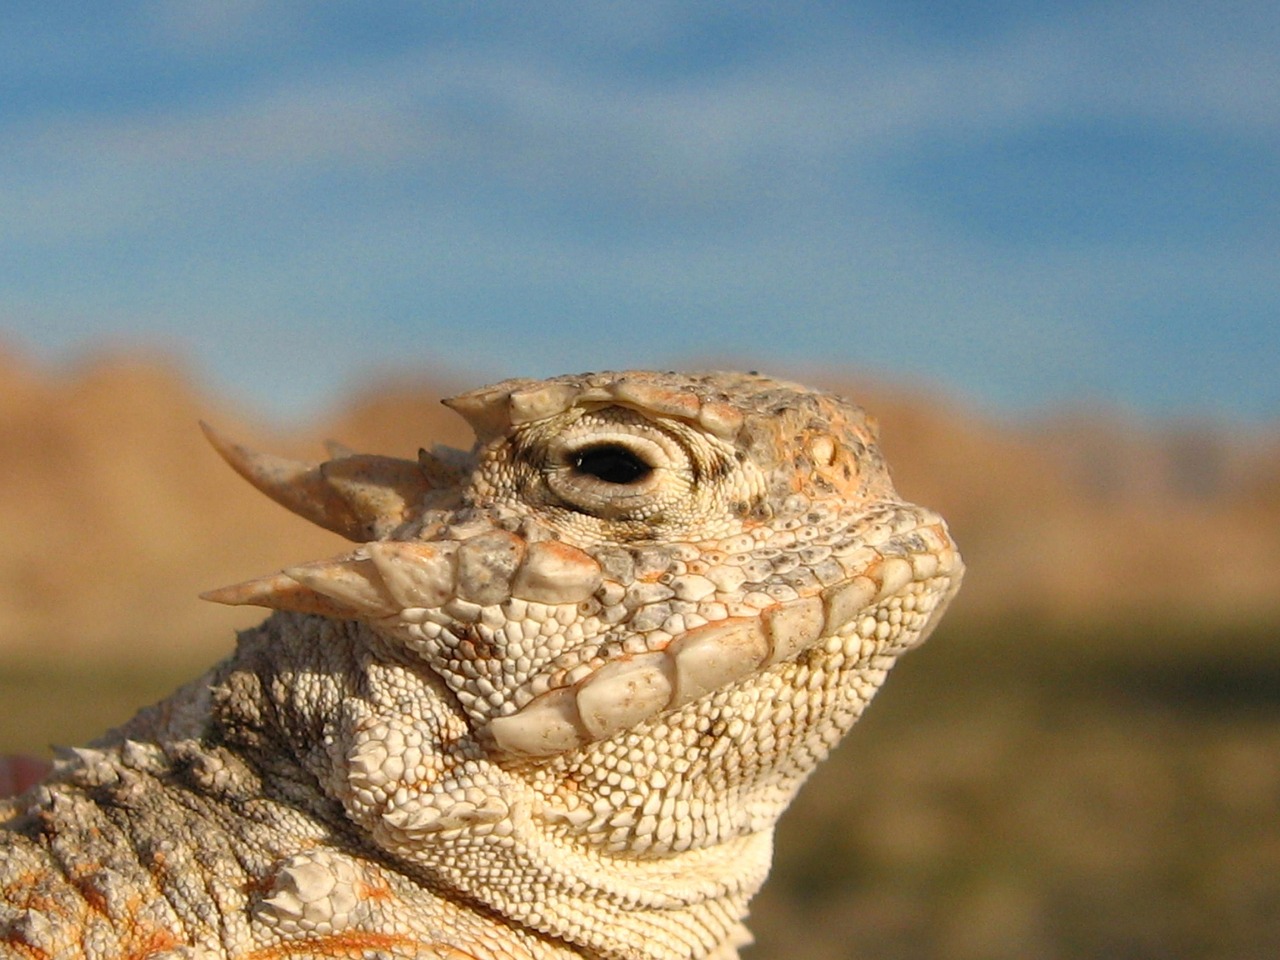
361	497
295	485
491	411
485	410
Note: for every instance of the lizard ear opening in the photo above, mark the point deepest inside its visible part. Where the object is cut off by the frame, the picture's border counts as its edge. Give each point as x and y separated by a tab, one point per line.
362	497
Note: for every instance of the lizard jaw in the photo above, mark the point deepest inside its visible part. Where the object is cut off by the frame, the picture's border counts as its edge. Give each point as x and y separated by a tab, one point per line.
407	588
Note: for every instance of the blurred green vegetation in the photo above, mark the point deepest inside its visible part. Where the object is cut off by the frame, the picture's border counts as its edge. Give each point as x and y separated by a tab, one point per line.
1076	792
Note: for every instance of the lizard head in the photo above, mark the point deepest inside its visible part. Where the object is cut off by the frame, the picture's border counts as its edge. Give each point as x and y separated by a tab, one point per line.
616	546
625	551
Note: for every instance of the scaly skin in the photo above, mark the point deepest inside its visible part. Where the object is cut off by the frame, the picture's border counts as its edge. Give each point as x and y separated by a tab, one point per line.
550	707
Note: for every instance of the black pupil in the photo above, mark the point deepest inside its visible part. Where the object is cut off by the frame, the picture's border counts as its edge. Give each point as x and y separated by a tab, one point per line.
611	463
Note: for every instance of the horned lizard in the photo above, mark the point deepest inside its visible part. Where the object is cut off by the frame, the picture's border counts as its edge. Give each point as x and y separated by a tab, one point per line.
551	706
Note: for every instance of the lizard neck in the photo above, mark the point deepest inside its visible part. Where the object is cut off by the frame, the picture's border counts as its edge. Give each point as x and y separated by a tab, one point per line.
389	747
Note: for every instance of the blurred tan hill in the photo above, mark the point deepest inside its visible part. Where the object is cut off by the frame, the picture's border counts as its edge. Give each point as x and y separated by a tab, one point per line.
115	514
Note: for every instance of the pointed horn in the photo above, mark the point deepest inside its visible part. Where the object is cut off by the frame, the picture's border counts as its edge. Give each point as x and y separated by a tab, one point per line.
363	497
492	411
280	592
485	410
295	485
349	587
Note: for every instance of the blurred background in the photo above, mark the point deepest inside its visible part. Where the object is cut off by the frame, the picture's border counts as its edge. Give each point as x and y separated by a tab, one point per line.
1039	241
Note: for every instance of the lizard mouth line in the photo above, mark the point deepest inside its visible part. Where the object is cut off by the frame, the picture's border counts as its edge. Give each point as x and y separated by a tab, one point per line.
430	590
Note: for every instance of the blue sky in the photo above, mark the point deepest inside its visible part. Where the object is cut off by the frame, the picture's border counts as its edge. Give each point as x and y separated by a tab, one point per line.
1027	205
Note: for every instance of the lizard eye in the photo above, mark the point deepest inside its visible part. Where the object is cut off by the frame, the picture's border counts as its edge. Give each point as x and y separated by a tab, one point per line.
611	463
615	469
